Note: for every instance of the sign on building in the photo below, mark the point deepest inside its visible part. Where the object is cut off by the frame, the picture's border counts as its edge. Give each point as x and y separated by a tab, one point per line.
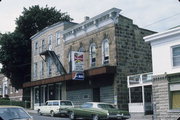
77	65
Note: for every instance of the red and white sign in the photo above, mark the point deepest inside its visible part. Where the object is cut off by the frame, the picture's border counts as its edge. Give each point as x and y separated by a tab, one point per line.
77	61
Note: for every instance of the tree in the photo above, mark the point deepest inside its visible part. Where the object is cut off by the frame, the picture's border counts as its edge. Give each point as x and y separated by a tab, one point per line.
15	52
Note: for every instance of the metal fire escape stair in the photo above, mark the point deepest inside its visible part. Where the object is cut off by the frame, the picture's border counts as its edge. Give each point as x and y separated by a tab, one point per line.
55	59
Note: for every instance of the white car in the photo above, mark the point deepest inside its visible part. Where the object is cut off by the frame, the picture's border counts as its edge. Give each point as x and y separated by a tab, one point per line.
54	107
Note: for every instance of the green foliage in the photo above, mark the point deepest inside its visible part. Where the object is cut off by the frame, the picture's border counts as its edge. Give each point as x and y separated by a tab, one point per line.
15	52
25	104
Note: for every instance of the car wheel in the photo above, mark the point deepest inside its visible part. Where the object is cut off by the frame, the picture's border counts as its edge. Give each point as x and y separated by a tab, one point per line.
95	117
38	111
71	116
52	113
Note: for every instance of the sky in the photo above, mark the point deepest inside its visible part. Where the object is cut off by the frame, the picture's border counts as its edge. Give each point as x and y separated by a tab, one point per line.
156	15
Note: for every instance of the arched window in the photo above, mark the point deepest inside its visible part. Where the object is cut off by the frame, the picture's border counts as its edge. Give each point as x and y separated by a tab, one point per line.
81	49
105	52
92	55
69	62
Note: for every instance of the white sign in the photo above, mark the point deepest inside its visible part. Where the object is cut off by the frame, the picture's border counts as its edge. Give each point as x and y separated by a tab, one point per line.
77	61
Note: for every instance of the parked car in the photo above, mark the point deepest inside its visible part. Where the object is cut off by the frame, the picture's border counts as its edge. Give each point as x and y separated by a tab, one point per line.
13	113
54	107
96	111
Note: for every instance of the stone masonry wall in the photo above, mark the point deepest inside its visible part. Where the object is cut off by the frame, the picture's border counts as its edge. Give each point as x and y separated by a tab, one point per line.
133	56
96	36
160	90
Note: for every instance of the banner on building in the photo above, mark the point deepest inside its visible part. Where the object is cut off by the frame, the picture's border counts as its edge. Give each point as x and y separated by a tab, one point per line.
77	61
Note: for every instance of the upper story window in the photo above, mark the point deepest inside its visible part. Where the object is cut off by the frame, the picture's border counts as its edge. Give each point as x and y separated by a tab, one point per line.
50	42
35	47
35	70
49	66
92	55
42	68
58	38
58	56
176	55
43	45
81	49
105	52
69	62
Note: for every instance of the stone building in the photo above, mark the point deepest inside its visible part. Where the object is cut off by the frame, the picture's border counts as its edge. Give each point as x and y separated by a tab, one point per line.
7	90
113	48
166	76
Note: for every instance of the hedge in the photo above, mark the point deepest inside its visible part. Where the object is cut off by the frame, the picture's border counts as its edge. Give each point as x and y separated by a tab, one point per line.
25	104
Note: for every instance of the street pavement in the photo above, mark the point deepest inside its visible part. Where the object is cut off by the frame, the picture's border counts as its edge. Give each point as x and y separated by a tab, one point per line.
38	117
35	116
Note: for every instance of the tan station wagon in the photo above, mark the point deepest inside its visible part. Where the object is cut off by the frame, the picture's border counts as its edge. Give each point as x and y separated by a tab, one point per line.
54	107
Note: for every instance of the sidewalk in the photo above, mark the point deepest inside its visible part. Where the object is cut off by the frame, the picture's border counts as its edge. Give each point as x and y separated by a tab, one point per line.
31	111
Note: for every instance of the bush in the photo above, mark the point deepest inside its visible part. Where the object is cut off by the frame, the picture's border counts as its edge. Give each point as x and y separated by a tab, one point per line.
25	104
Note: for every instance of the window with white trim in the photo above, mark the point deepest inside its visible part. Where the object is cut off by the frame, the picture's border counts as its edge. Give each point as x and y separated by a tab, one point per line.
58	41
176	55
105	52
42	68
36	47
49	66
92	55
69	62
43	45
50	42
35	70
81	49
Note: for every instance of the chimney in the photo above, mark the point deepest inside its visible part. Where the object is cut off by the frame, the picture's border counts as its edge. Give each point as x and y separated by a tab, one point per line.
86	18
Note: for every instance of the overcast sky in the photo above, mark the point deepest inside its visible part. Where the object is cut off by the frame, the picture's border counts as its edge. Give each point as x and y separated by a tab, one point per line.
157	15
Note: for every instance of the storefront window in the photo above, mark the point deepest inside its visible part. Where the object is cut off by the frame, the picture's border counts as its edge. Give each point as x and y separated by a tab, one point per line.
36	91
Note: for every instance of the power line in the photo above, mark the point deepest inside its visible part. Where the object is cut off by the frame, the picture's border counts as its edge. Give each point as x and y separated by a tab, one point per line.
162	20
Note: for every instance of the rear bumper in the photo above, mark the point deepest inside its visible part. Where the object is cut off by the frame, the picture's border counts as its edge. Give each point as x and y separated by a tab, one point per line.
119	116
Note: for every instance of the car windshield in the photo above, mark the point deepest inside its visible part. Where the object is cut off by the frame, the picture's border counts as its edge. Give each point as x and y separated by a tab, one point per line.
13	113
66	103
105	106
87	105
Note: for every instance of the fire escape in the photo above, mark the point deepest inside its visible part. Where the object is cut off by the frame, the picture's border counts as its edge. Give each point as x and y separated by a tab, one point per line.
51	54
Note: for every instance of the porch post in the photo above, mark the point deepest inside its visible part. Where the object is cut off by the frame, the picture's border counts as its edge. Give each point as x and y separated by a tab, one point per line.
143	98
129	95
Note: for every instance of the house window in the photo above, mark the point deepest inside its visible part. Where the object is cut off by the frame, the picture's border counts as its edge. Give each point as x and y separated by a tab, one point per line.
35	47
92	53
176	56
105	52
175	96
58	38
35	70
81	49
69	62
50	42
49	66
43	45
42	68
58	56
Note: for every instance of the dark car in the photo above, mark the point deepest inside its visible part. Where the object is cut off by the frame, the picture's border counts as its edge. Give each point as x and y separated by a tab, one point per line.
13	113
